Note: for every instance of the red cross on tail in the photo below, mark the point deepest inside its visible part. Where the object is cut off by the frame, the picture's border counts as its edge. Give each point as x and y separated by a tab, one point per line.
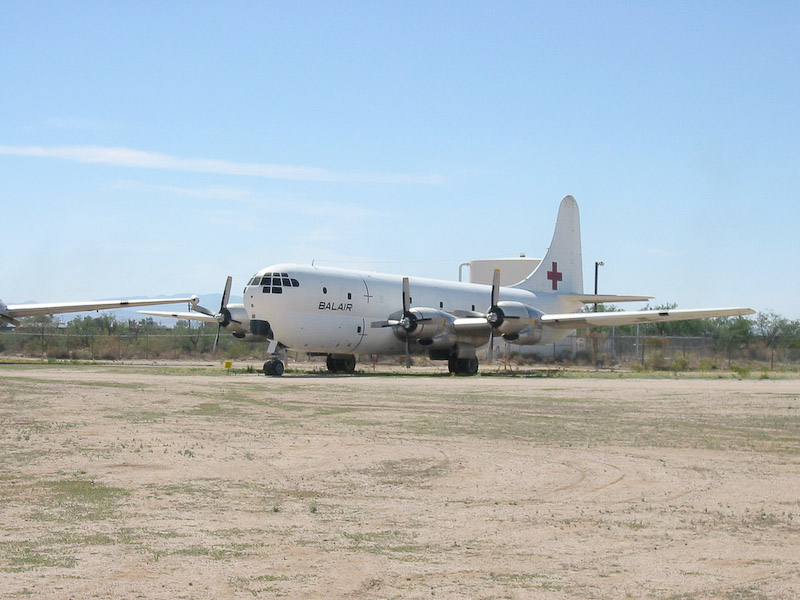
555	276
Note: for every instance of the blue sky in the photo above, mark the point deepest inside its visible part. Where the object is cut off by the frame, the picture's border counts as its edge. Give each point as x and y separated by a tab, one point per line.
154	148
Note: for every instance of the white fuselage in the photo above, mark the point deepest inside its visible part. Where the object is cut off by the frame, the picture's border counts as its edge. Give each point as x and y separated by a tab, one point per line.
326	310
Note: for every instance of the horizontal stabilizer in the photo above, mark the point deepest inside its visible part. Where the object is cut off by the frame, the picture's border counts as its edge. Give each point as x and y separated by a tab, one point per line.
191	316
607	319
600	298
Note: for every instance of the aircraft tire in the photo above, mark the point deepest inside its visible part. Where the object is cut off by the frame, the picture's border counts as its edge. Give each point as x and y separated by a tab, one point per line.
273	368
332	364
472	366
341	365
462	366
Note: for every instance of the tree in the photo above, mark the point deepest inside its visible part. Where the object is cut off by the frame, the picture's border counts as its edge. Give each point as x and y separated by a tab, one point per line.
733	332
771	328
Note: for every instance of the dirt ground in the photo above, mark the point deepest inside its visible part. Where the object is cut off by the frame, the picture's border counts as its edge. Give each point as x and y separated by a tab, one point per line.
177	482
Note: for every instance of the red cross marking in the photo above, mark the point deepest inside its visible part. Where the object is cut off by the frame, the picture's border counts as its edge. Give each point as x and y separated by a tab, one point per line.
555	276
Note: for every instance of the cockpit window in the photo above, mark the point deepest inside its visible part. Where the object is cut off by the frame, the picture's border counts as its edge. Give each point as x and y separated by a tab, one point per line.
273	283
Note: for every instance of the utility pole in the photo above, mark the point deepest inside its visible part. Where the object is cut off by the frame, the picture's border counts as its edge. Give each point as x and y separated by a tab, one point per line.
597	265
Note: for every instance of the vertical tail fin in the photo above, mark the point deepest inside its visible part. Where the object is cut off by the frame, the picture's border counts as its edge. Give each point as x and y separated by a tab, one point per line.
561	270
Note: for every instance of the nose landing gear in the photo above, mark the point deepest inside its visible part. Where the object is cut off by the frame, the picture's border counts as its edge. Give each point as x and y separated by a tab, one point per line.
274	368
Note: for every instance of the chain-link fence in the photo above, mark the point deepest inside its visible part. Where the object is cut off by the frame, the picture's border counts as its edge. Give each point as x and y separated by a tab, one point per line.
59	344
658	352
651	352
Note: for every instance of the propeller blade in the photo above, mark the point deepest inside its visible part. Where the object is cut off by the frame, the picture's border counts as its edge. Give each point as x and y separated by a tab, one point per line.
216	341
495	287
490	356
226	295
203	310
406	307
9	320
389	323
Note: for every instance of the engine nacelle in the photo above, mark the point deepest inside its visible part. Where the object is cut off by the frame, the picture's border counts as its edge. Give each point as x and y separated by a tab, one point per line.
236	320
444	341
249	337
522	324
526	337
516	317
428	323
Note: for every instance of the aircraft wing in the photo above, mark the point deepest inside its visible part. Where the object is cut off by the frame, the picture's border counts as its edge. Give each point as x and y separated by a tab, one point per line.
10	313
606	319
191	316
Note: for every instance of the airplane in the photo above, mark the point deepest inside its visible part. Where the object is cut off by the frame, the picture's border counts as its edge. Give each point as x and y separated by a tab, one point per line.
11	313
341	312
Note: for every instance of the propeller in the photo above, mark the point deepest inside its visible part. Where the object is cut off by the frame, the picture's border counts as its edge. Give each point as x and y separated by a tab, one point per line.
223	316
408	321
495	314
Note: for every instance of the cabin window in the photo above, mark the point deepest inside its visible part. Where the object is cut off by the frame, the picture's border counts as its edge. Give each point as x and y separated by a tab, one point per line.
441	304
349	296
324	290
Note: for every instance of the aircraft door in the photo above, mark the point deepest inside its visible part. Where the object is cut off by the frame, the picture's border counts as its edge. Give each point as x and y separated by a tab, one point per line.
363	307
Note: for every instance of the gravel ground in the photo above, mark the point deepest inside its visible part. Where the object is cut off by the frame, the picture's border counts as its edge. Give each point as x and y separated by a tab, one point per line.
151	481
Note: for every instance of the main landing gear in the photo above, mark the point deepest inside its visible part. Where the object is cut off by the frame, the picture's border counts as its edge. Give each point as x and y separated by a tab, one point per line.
274	368
462	366
341	363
